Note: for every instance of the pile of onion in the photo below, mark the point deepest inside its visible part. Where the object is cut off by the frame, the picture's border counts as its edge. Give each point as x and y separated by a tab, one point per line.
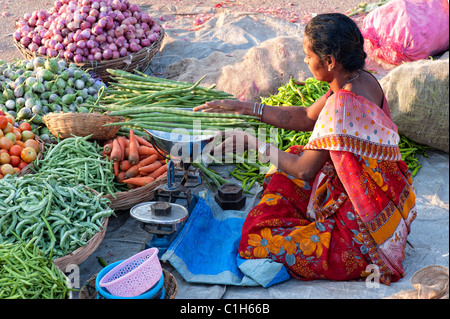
87	30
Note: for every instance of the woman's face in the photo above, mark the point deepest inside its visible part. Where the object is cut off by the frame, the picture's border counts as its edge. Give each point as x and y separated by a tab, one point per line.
317	67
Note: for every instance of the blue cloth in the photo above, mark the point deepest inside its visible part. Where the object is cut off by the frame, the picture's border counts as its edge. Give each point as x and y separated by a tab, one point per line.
206	250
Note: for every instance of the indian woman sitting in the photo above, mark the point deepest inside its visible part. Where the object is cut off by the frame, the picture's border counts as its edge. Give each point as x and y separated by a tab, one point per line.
341	206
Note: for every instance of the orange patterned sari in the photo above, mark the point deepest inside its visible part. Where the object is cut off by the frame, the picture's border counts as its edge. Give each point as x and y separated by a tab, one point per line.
358	210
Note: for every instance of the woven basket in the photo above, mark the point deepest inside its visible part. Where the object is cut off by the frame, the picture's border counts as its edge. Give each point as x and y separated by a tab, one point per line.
88	290
81	254
64	125
29	169
135	61
126	200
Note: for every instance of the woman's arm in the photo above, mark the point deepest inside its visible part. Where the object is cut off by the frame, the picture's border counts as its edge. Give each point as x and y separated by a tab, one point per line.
304	167
287	117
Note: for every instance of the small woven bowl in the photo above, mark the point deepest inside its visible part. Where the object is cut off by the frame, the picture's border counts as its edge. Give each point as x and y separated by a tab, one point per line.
64	125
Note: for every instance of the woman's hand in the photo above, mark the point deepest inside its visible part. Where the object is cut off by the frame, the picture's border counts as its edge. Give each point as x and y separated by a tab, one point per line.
235	141
226	106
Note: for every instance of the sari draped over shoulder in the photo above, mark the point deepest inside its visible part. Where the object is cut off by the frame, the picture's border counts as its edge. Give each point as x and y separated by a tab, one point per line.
354	216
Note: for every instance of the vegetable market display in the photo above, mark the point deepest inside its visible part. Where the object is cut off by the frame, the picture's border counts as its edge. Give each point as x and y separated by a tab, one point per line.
87	30
62	215
136	162
18	146
26	273
31	89
161	104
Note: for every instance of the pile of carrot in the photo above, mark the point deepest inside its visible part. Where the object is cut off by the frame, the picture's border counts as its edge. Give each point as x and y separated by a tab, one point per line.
136	162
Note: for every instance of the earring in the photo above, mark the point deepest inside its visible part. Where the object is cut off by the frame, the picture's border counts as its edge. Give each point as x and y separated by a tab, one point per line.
329	69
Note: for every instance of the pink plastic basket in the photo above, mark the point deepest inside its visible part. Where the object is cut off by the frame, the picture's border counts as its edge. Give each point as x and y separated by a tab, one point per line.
135	275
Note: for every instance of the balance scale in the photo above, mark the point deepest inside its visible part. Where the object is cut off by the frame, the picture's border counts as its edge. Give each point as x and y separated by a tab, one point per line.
164	217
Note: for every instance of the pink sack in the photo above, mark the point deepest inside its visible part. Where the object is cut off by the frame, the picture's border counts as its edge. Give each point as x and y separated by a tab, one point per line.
407	30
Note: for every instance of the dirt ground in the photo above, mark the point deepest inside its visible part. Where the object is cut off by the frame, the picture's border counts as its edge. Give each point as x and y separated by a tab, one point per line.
171	12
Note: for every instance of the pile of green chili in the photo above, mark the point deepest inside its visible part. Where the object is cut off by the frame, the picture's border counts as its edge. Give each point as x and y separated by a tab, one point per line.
26	273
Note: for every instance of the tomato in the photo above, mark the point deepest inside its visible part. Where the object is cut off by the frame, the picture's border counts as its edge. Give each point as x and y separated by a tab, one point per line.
5	143
10	118
9	128
3	122
24	126
28	154
7	169
20	143
33	144
11	136
5	158
27	135
15	160
18	133
22	164
2	113
15	150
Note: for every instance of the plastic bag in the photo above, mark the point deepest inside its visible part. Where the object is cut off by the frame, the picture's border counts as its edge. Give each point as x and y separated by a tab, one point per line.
407	30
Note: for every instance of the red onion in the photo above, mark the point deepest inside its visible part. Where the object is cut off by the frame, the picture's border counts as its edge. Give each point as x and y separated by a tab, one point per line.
32	21
52	53
113	47
68	55
33	47
156	28
17	35
42	51
42	15
109	39
86	2
145	42
85	25
90	44
102	23
90	57
123	52
78	58
77	17
107	54
100	39
98	56
71	47
135	47
95	5
37	40
58	4
72	26
115	54
86	34
58	38
91	19
47	24
145	17
59	47
133	8
79	51
27	16
94	13
81	44
97	30
52	43
85	9
118	32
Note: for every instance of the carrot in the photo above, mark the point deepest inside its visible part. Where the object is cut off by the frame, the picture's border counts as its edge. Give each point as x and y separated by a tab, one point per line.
139	181
143	141
116	168
126	152
134	170
159	171
107	148
161	176
133	156
145	150
116	152
120	177
151	167
123	141
125	165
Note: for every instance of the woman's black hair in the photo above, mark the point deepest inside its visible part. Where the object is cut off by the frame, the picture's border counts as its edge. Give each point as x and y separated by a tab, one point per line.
337	35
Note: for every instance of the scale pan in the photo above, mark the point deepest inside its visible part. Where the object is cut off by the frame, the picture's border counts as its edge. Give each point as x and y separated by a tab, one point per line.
184	147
